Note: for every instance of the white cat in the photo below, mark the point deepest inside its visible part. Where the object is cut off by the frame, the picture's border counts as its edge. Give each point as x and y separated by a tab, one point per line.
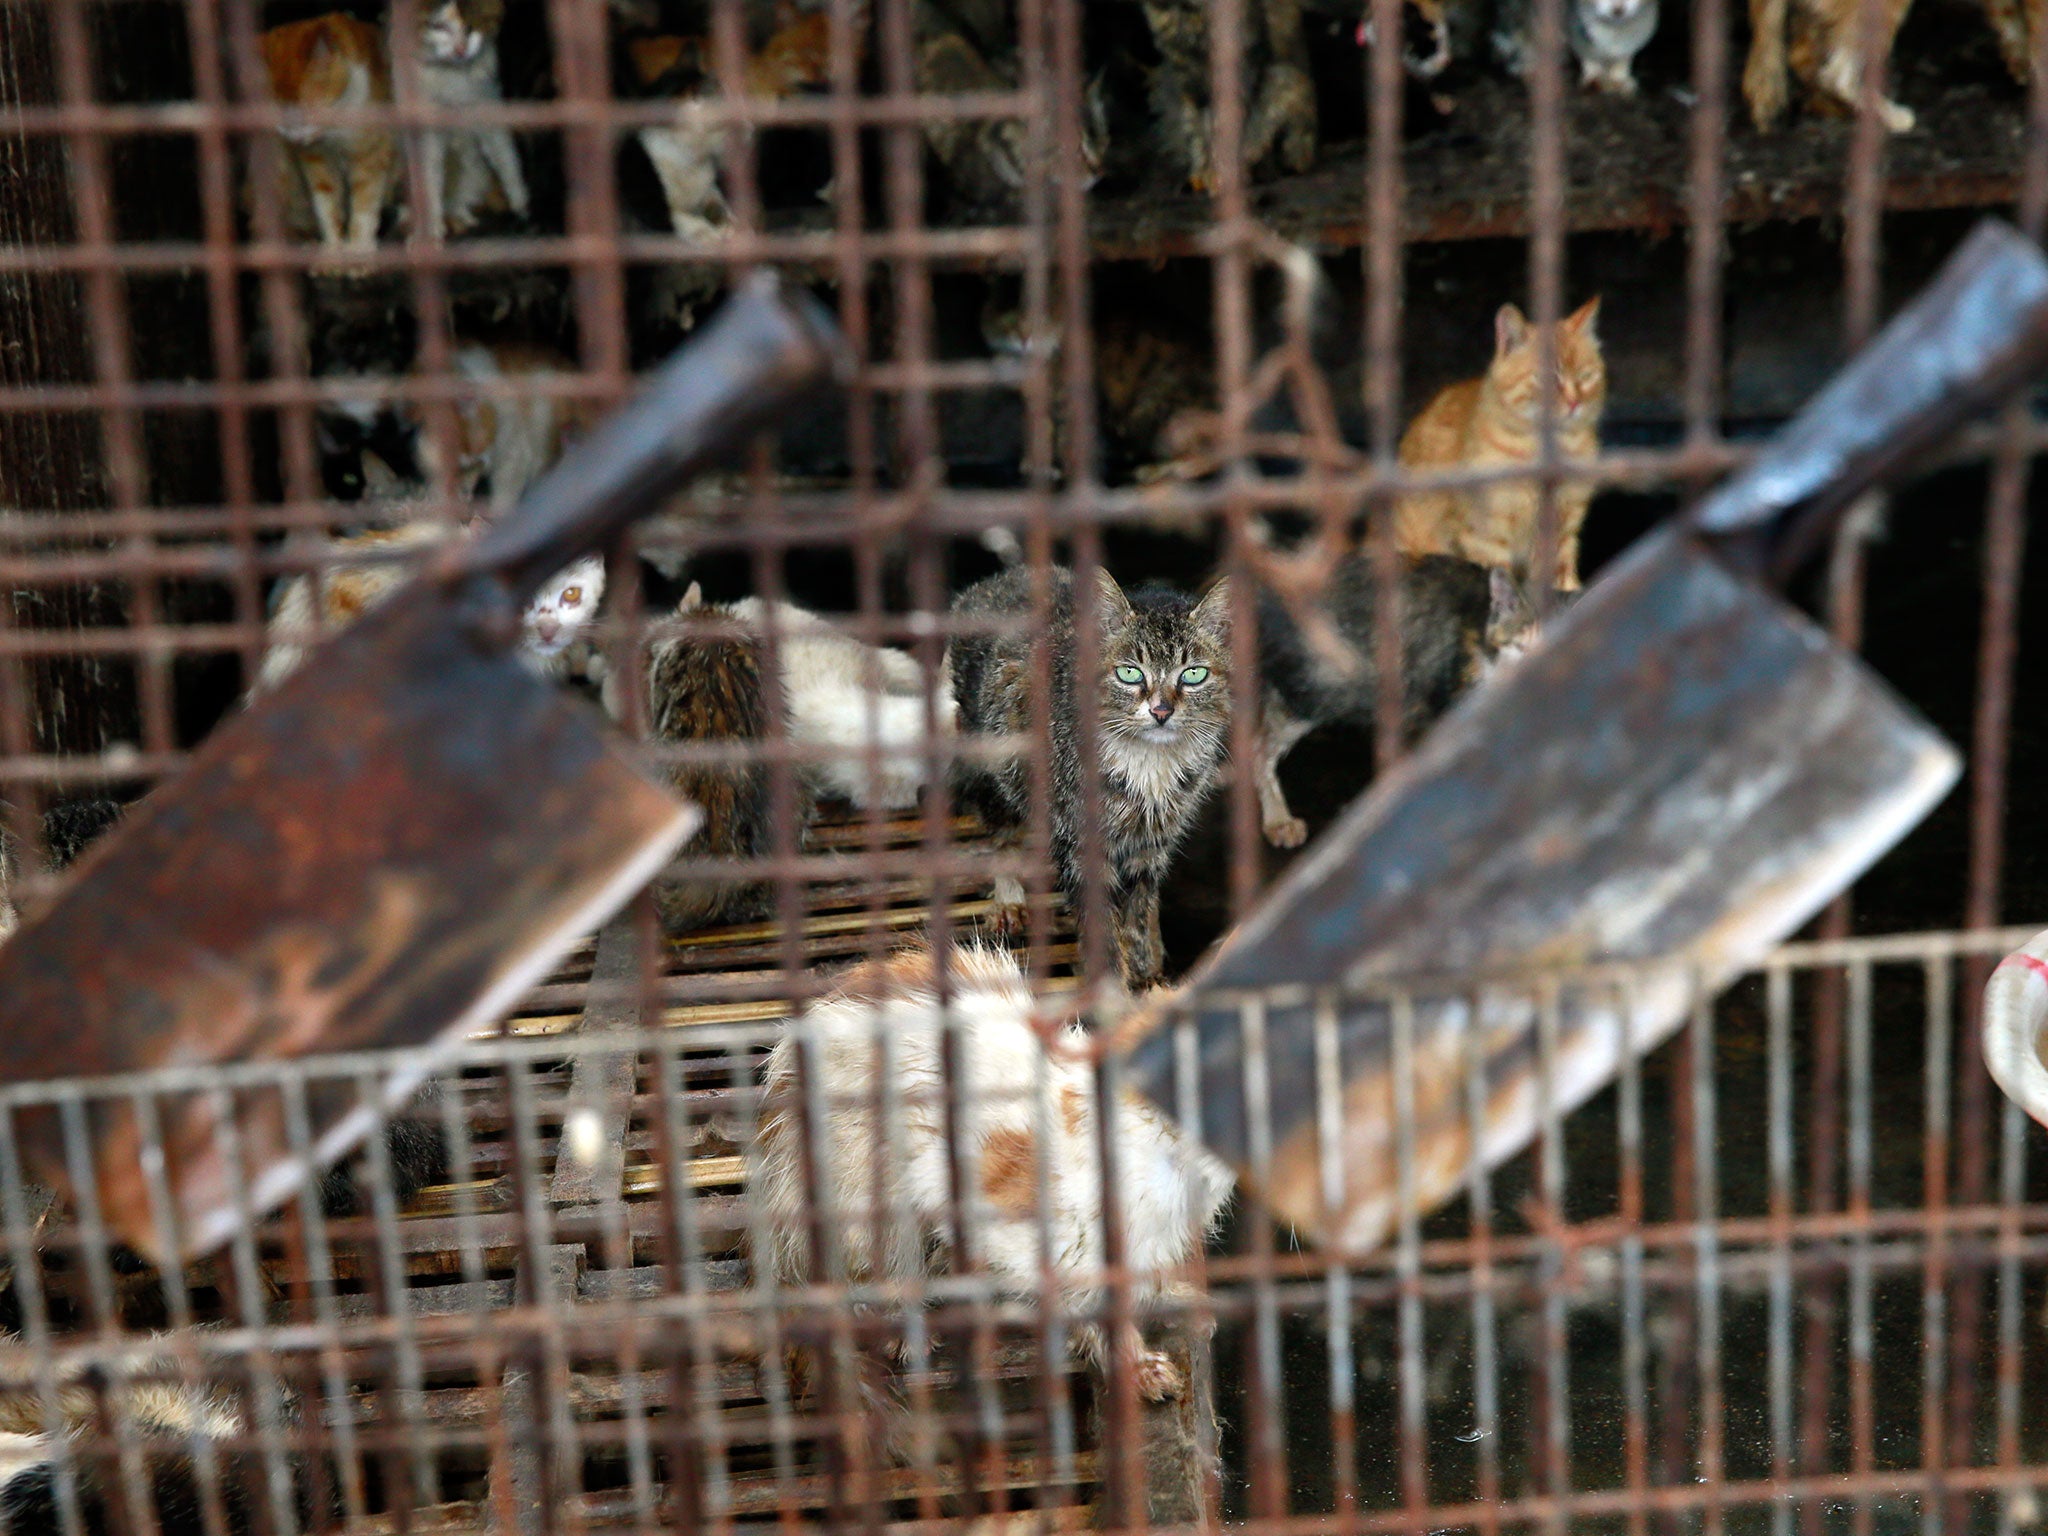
1607	35
1170	1191
851	697
468	170
357	572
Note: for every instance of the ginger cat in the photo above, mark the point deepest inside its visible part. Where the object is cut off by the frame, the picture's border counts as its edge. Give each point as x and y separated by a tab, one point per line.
1491	421
1824	50
341	177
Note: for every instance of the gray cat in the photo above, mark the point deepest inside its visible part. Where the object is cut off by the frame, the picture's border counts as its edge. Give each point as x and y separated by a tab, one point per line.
1162	712
1457	620
1605	35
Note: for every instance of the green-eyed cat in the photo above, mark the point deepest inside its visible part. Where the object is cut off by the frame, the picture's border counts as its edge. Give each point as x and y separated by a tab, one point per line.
1161	697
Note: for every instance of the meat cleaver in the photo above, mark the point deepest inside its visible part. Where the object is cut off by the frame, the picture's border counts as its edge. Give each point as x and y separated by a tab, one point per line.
1681	774
391	847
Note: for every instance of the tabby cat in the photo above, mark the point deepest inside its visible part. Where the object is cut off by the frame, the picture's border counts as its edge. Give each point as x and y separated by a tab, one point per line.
1490	423
1457	620
987	159
504	442
1824	49
710	689
1282	118
468	171
337	180
1162	708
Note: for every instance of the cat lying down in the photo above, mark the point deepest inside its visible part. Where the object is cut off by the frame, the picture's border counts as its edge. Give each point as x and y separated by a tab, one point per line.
1170	1191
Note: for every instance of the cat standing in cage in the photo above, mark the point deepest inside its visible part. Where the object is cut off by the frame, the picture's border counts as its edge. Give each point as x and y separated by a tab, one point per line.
1161	703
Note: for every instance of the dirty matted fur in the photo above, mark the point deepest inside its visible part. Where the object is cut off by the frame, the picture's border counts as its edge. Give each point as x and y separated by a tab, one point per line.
1170	1190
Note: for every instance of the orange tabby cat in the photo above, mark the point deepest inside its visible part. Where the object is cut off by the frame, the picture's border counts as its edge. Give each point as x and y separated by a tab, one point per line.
347	175
1489	422
1825	50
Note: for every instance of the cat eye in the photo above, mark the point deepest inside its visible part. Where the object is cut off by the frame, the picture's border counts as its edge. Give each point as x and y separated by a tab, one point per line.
1194	677
573	596
1130	677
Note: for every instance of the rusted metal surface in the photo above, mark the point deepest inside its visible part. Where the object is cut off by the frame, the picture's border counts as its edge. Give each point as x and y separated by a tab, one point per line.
1786	1272
333	870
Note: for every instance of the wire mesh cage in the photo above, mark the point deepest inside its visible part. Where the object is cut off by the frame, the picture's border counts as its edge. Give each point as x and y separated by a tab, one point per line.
812	1187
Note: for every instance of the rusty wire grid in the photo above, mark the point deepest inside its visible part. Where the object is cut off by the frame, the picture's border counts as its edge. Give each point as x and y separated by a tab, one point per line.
1789	1271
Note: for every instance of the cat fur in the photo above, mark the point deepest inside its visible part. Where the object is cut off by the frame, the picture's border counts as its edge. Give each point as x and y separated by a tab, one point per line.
1161	743
1821	43
1491	423
338	181
165	1415
853	698
688	157
1281	121
712	689
467	171
1170	1191
1457	620
987	160
355	572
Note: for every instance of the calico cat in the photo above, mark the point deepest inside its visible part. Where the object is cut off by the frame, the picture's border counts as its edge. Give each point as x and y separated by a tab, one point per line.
1457	620
855	699
337	180
1162	709
987	159
688	157
1491	422
1170	1190
468	171
704	689
1281	120
358	571
1821	42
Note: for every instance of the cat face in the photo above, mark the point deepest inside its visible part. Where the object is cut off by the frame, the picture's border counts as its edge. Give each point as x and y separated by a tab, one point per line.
1615	11
457	31
1165	679
1581	369
564	606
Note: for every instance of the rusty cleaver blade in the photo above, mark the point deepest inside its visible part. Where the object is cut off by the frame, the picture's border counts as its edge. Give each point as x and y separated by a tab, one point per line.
388	849
1683	772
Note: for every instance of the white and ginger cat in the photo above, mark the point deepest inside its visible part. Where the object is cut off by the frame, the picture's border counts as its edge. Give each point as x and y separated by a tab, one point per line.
1491	423
1170	1190
504	441
356	572
1822	43
851	699
338	181
689	156
469	172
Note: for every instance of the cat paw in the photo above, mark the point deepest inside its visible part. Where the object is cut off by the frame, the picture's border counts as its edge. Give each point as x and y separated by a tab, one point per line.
1158	1379
1896	118
1009	913
1286	832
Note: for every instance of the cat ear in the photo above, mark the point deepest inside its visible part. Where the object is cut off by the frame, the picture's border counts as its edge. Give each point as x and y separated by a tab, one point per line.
693	599
380	480
1111	606
1510	330
1212	613
1582	318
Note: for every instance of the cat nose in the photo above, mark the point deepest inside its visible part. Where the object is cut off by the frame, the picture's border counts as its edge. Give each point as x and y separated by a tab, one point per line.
545	626
1162	711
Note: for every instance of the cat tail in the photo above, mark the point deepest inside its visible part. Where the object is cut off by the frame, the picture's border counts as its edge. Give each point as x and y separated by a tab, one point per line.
1765	78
